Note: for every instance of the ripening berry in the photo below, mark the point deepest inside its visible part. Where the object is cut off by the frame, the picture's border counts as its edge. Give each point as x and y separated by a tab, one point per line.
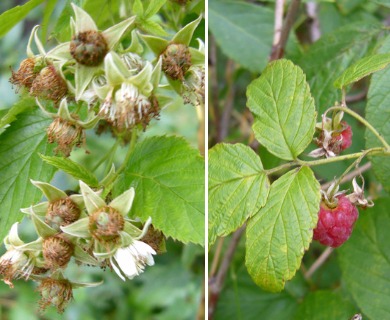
176	60
337	140
335	225
62	212
26	74
345	136
49	85
89	48
57	251
105	224
56	292
66	134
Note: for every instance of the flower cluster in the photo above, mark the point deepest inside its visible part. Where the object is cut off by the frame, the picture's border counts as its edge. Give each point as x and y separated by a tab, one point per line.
79	226
118	88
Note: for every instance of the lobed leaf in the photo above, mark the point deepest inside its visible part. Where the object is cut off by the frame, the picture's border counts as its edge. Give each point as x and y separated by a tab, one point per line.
168	177
283	109
238	188
364	261
72	168
278	235
19	162
362	68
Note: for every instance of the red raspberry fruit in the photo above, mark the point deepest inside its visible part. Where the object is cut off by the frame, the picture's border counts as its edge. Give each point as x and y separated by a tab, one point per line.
345	136
335	224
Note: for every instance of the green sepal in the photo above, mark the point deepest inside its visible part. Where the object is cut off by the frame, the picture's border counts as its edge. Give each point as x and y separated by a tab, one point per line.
84	257
123	202
156	44
184	36
84	22
114	34
91	199
50	192
78	229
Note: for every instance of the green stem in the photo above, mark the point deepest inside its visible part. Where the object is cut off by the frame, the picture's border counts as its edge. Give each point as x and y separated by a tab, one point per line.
353	165
362	120
127	158
313	163
106	156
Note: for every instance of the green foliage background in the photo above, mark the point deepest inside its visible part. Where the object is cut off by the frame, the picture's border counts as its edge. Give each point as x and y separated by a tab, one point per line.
169	290
344	284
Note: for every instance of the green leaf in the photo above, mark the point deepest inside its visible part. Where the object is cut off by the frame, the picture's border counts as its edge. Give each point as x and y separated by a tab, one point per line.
362	68
243	31
325	305
335	52
364	261
72	168
138	8
283	109
152	27
19	107
11	17
153	7
378	114
168	177
242	299
19	162
49	8
238	188
278	235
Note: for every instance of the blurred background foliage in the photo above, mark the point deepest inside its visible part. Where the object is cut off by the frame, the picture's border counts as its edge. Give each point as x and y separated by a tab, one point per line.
172	288
240	41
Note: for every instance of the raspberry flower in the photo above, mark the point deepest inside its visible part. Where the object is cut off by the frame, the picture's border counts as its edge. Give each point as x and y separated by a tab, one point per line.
127	95
20	259
88	47
60	210
113	236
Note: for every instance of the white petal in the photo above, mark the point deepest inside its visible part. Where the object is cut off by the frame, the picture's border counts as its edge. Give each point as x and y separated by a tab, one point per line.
126	262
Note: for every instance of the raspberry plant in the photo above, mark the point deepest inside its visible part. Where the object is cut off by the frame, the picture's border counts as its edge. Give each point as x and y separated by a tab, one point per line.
89	107
263	180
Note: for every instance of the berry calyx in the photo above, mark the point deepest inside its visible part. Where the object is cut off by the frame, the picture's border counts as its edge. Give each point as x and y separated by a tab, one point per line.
89	48
336	140
335	225
176	60
62	212
105	224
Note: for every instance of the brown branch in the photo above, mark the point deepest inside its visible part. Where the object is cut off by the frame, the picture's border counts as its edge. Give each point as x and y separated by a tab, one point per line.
228	108
214	92
216	283
356	97
278	49
314	24
318	263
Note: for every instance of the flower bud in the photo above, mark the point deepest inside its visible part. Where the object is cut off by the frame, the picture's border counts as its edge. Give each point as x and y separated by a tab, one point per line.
49	85
105	224
176	60
57	251
62	212
26	73
66	134
56	292
89	48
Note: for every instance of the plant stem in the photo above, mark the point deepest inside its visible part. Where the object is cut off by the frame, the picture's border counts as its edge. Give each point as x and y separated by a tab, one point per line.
378	150
127	158
215	283
350	175
318	263
217	255
106	156
362	120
